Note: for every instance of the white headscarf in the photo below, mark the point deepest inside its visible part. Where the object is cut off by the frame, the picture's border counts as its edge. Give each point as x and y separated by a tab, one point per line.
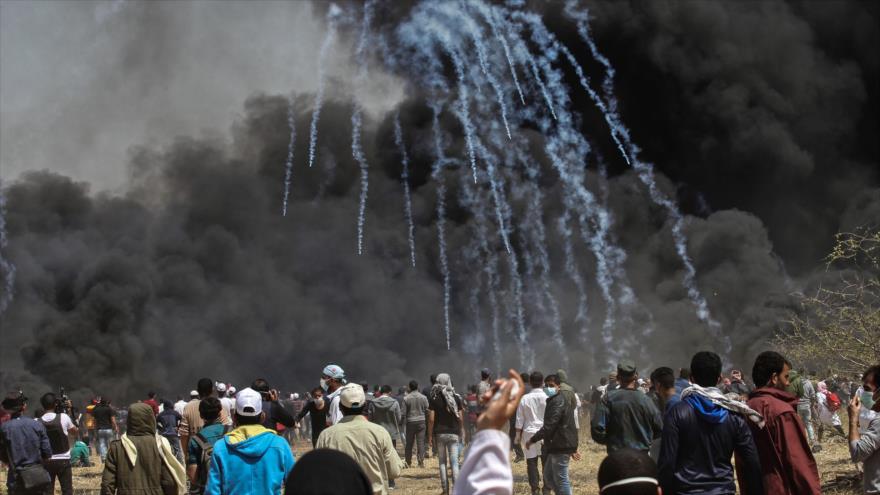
443	388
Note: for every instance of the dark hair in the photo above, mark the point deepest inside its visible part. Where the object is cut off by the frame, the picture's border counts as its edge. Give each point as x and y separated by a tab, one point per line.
433	379
705	368
872	371
151	394
260	385
552	379
627	463
386	389
248	420
351	411
413	385
48	401
484	375
209	409
603	381
205	387
525	376
767	363
317	389
536	379
167	404
684	373
663	378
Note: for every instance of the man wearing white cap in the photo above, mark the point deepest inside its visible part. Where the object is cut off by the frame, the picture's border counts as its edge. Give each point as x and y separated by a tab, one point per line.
332	380
367	443
226	403
251	458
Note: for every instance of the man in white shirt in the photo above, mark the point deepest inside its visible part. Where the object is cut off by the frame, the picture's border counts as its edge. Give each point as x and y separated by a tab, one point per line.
180	405
59	427
332	380
529	419
227	403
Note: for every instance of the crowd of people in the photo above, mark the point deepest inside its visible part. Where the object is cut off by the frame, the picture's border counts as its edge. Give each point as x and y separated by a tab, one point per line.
699	432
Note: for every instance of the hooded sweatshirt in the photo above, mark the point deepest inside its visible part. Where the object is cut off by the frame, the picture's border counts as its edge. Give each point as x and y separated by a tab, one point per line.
248	460
787	463
385	412
699	438
142	462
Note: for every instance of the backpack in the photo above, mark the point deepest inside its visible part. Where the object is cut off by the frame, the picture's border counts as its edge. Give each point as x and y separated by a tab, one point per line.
833	402
205	461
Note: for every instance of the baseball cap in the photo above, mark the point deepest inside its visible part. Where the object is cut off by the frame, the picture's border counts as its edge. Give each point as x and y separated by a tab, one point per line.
248	402
193	393
14	401
221	387
352	396
626	368
333	371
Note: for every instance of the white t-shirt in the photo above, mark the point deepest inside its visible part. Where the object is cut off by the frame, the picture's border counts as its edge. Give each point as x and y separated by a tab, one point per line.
228	405
530	418
66	425
334	414
179	406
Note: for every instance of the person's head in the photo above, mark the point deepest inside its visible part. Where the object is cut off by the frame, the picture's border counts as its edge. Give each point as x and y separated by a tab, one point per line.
485	374
871	383
536	379
48	402
413	385
327	471
209	409
626	374
444	380
772	370
332	377
684	373
524	375
628	472
261	385
433	379
193	394
221	389
603	381
317	393
205	387
385	390
705	369
15	403
736	375
167	405
352	399
663	380
563	376
551	385
248	407
151	395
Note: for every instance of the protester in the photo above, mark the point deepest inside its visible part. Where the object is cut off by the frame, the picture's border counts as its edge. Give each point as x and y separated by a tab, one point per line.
598	392
564	385
626	418
251	459
384	410
484	385
274	412
201	446
226	402
445	427
559	434
105	425
168	422
316	408
141	461
787	463
472	412
865	447
24	446
486	468
327	472
367	443
738	386
332	380
628	472
828	405
59	428
683	381
191	419
516	445
701	434
180	405
663	395
802	387
79	455
529	420
416	407
296	406
152	402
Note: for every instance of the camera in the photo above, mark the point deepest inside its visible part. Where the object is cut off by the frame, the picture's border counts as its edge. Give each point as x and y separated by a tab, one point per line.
61	403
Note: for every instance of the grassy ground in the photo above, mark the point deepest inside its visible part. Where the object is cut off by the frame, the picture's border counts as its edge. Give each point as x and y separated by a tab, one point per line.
833	463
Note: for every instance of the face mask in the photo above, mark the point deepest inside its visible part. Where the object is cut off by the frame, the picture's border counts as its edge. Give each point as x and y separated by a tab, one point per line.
550	391
867	400
323	384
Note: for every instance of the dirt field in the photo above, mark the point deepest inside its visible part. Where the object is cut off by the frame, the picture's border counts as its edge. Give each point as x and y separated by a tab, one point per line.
833	463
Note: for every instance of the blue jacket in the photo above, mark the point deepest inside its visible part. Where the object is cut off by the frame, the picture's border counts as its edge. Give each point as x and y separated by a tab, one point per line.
250	460
699	439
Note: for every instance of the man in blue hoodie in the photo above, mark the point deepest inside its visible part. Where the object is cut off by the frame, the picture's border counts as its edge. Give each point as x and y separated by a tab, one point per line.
702	432
251	458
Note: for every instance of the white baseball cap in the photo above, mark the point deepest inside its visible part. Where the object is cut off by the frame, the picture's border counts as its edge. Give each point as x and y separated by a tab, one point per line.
352	396
193	393
221	387
248	402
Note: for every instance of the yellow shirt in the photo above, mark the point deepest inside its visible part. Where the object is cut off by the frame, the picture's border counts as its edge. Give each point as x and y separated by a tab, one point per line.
369	445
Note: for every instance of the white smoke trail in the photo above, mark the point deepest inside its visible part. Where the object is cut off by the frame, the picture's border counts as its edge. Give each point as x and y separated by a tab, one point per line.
329	38
489	14
7	269
288	165
356	123
404	177
437	175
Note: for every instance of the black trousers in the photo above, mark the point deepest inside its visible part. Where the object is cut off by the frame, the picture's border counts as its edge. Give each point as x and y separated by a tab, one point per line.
534	472
60	469
415	436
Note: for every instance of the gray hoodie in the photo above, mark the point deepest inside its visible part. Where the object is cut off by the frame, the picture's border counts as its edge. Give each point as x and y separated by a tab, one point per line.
416	405
385	412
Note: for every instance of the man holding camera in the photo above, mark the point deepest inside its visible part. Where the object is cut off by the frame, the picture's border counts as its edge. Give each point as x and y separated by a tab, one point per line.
275	413
59	428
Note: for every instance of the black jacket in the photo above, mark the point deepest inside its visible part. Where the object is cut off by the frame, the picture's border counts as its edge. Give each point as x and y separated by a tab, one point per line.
695	453
559	432
275	413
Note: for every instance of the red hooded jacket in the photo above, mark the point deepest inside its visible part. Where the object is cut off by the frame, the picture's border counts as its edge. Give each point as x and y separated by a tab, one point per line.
788	465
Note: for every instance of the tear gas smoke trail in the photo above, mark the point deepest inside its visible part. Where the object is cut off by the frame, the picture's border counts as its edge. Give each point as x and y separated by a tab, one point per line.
404	177
581	15
489	14
288	166
497	193
356	123
573	272
329	38
437	175
7	269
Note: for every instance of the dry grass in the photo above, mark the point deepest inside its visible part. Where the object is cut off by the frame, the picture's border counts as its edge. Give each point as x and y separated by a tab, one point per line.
833	463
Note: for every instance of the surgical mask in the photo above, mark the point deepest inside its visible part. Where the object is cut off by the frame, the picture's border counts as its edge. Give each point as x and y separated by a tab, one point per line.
550	391
323	384
867	400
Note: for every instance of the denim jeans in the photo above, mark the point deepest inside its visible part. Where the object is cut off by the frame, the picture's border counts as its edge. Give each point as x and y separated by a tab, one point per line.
448	448
104	439
804	413
415	436
176	448
556	473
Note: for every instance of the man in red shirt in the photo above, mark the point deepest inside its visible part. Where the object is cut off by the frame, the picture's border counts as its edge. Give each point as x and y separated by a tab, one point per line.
152	402
787	463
